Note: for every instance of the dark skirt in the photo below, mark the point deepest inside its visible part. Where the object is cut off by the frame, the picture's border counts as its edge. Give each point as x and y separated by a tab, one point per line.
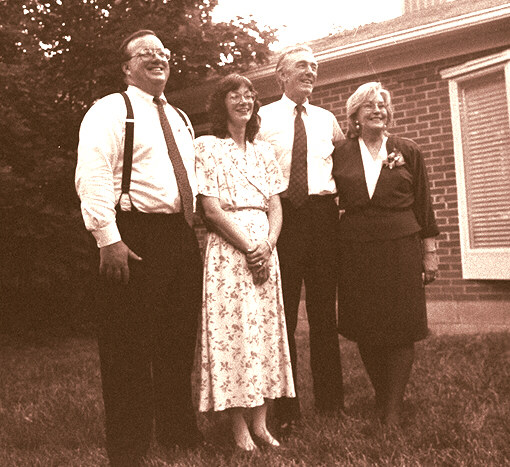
381	298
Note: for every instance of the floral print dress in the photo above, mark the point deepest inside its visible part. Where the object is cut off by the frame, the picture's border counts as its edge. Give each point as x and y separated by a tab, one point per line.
243	353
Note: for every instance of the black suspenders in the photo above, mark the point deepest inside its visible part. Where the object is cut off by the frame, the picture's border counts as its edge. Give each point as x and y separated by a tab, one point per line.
125	203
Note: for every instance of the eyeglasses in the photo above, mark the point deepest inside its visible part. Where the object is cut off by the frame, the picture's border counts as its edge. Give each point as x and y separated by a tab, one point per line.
236	97
371	106
149	54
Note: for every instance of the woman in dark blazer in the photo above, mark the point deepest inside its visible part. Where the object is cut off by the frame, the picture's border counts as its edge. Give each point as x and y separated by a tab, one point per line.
387	249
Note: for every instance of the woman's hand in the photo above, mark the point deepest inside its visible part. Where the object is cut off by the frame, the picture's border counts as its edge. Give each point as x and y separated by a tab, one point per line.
259	256
261	274
430	266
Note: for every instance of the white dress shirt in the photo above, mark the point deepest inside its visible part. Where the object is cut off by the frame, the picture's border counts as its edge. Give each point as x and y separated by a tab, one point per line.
371	166
100	156
322	130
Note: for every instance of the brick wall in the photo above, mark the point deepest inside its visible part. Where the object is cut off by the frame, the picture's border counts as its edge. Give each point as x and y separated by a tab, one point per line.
422	112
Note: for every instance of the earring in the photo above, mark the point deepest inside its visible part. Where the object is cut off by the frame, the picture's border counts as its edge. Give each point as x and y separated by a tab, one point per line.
357	125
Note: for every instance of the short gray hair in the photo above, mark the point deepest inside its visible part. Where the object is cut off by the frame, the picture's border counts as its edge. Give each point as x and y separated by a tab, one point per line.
284	54
366	92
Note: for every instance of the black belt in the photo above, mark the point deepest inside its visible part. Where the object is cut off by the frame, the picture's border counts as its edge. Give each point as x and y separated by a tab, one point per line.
321	197
314	198
152	216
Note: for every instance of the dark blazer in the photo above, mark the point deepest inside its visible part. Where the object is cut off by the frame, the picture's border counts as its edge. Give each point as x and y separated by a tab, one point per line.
401	203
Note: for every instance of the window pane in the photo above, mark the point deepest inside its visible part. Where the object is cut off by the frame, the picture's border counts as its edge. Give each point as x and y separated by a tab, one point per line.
486	148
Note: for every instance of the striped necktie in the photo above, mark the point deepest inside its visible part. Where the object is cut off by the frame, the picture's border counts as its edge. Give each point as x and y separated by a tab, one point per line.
298	182
175	157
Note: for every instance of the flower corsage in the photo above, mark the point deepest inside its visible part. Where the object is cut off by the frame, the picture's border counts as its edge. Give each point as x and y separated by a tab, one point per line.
394	159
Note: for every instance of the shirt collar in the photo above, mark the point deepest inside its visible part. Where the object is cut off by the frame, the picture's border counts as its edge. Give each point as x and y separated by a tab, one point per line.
291	105
383	152
145	95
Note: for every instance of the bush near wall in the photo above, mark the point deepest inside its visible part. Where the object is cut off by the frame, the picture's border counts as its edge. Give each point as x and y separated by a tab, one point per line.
46	256
48	270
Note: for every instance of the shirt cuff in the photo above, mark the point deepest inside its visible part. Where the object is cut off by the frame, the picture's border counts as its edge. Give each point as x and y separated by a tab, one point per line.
430	231
107	235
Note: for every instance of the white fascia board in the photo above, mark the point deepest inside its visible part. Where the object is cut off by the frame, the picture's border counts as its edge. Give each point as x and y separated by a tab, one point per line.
475	65
400	37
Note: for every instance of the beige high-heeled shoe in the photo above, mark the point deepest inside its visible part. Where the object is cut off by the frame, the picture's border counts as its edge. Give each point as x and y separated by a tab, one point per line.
245	442
267	438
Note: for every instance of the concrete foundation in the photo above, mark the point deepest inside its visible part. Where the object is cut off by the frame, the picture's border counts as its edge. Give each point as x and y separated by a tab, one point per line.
457	317
454	317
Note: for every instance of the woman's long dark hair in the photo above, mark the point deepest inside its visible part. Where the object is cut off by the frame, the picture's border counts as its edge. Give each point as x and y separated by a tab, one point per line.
218	111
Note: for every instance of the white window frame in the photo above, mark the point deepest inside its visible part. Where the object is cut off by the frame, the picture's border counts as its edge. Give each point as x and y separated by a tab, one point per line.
477	263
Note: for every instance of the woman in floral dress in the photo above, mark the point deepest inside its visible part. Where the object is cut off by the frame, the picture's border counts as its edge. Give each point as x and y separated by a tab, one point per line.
386	245
243	355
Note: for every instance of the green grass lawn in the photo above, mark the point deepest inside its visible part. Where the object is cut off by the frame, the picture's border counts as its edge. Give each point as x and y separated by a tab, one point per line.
457	411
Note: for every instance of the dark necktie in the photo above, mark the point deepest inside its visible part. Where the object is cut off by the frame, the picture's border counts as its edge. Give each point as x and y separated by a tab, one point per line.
175	157
298	182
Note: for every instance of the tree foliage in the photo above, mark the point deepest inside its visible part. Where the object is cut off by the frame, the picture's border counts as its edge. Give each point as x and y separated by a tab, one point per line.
56	58
71	46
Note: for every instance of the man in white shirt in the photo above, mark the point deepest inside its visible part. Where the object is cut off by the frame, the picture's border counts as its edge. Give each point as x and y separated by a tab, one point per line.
306	246
150	266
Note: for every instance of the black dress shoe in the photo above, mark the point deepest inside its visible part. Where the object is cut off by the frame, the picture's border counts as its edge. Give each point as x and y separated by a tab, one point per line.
330	410
185	440
126	460
287	429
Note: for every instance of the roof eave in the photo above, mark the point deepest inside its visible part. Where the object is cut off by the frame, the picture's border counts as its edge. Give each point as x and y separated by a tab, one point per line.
400	37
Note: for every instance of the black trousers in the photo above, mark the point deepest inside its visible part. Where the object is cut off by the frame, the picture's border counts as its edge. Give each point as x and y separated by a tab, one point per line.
307	252
147	335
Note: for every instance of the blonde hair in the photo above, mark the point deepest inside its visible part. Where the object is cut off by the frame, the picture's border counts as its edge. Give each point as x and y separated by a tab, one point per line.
366	93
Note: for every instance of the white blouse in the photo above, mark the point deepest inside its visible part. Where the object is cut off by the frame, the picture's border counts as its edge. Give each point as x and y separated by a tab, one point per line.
371	166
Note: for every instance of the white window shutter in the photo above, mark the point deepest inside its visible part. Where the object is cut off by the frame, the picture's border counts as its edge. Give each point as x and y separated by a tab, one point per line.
479	99
486	148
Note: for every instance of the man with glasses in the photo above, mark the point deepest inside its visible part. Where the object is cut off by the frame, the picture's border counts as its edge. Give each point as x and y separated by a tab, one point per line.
150	265
302	136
